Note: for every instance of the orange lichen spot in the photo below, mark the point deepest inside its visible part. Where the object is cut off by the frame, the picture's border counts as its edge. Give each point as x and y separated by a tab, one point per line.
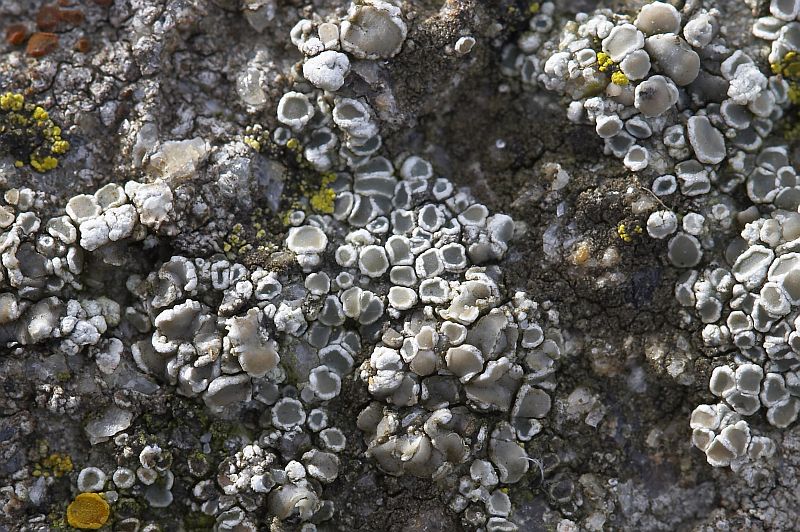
16	34
41	44
88	511
48	17
582	253
83	45
72	17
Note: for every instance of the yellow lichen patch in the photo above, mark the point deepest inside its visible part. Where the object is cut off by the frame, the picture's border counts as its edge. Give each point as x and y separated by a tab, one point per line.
57	465
318	197
28	133
794	93
236	243
791	131
306	189
626	233
619	78
789	69
322	200
252	236
256	137
60	147
285	217
533	8
40	114
604	61
43	164
253	143
11	101
788	66
88	511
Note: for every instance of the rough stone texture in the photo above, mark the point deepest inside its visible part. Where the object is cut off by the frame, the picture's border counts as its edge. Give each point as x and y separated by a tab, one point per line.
614	453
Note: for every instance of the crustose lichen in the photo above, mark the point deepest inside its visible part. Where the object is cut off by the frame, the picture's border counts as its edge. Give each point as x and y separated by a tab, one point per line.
28	134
